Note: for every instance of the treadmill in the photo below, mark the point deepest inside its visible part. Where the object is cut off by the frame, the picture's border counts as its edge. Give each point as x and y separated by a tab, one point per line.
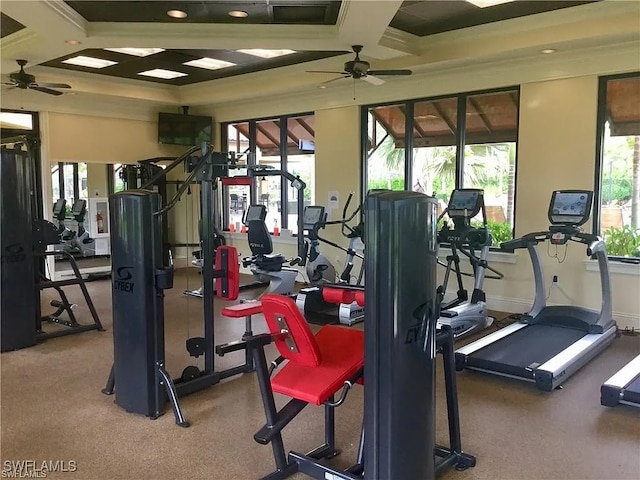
550	343
623	387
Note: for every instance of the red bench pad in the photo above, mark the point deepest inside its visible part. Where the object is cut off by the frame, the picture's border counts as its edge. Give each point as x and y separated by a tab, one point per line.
338	295
341	353
242	309
360	298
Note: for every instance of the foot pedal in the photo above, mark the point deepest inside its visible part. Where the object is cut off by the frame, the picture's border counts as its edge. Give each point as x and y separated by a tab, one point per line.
195	346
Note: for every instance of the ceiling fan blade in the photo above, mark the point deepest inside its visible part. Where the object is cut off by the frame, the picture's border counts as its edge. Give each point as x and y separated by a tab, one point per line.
10	84
45	90
326	71
334	79
372	80
389	72
49	85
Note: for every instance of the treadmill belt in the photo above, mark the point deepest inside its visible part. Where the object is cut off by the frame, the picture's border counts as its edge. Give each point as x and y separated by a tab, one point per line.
530	346
632	392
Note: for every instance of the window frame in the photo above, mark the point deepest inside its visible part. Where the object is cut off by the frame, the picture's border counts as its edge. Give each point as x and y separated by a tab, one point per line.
409	105
601	120
283	120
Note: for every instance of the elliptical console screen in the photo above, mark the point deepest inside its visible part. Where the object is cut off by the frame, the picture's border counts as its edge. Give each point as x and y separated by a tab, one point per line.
570	207
465	202
312	215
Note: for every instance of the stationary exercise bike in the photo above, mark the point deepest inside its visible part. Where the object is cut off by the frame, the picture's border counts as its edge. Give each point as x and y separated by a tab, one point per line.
266	266
466	316
320	271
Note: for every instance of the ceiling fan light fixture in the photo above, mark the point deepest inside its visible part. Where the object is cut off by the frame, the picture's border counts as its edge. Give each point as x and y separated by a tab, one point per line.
177	13
238	14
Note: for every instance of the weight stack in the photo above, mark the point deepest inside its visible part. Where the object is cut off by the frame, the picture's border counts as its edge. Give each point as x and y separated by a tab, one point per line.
138	303
400	319
18	320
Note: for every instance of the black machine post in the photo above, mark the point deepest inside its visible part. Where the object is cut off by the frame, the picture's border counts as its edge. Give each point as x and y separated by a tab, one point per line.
19	310
400	340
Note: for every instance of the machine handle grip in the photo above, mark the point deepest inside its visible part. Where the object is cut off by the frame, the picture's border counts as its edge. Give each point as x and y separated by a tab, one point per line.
345	276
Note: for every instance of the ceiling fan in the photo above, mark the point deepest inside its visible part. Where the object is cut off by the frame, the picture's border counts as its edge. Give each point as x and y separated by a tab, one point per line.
24	80
360	69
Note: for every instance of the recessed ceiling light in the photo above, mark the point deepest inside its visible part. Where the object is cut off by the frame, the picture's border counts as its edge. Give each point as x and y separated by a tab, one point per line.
161	73
263	53
209	63
322	87
238	14
89	62
548	50
488	3
138	52
72	42
177	13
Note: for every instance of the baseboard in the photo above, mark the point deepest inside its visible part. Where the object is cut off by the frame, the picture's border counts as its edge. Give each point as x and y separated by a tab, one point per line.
516	305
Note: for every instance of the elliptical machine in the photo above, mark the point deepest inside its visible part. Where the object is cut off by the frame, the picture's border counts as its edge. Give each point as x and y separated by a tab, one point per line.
462	315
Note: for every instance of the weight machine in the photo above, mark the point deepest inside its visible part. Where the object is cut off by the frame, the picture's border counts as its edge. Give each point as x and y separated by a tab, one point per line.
138	377
25	237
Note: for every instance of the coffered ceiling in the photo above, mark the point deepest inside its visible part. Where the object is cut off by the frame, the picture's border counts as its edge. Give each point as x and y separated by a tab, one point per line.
314	35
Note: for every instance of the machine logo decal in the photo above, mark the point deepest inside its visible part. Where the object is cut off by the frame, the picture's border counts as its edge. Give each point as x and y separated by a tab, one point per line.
14	253
122	282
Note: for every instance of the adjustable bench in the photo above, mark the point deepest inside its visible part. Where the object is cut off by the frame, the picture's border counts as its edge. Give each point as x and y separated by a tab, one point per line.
318	367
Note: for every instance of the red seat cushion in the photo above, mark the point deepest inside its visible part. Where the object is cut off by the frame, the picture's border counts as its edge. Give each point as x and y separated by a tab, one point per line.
338	295
360	298
242	309
342	354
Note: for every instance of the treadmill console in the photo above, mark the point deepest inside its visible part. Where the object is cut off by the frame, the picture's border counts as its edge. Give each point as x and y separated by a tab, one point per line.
465	202
311	216
570	207
255	212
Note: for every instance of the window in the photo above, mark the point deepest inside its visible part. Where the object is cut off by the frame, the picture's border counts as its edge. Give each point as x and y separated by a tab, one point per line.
617	199
282	143
436	145
69	181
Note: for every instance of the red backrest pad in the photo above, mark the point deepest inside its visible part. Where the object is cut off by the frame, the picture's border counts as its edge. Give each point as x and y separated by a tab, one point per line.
338	295
274	306
233	272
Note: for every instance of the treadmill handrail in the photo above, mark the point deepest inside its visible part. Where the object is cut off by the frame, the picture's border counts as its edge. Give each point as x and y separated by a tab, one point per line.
595	247
530	239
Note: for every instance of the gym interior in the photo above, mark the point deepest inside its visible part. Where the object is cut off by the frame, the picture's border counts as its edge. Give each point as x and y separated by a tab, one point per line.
523	101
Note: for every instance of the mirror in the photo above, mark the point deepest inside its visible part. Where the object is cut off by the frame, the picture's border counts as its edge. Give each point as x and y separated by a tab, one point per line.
79	195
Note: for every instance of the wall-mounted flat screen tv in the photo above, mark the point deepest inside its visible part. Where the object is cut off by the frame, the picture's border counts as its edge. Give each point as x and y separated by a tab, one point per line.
180	129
